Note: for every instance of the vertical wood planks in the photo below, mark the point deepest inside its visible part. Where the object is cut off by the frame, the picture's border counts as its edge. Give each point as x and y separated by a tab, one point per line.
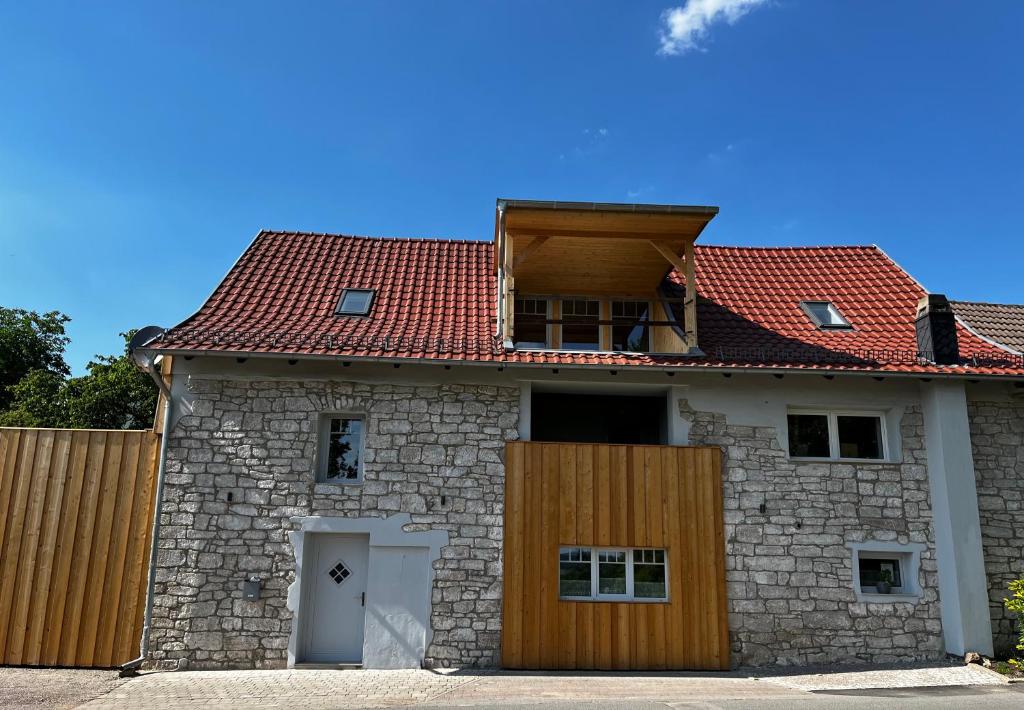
75	513
614	496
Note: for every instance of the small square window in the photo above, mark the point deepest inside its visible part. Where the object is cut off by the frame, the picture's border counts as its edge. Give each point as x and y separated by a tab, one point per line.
341	450
881	569
355	302
825	315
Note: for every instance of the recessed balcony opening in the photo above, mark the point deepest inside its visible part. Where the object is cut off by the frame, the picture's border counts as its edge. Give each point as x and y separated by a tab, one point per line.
599	418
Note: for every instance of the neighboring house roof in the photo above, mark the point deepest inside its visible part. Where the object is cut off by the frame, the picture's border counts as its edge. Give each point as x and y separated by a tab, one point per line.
436	298
1002	323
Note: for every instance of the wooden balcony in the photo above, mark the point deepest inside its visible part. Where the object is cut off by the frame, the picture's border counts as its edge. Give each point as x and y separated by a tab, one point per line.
614	496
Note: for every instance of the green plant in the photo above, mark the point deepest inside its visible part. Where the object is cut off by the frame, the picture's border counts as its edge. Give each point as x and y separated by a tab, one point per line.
1015	603
885	576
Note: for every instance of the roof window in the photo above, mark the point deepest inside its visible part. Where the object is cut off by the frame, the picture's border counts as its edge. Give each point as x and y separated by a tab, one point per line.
825	315
355	302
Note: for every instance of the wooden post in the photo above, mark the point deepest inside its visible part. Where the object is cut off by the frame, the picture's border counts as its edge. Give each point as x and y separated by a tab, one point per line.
690	304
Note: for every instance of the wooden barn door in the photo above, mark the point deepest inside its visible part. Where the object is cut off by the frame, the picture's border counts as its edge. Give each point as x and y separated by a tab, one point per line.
593	495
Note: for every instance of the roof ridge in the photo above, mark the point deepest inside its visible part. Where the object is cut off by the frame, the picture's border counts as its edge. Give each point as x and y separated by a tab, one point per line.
308	233
987	303
787	248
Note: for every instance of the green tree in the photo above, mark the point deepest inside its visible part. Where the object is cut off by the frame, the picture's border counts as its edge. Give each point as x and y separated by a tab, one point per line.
114	395
30	341
37	400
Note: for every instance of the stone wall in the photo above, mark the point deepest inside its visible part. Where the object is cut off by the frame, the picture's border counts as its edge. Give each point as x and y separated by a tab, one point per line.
789	570
255	442
997	443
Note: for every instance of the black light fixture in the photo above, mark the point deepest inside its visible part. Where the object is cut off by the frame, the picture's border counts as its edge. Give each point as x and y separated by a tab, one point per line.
292	362
613	372
240	360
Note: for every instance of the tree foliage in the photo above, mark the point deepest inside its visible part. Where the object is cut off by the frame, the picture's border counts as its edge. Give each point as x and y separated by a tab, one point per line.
30	341
37	392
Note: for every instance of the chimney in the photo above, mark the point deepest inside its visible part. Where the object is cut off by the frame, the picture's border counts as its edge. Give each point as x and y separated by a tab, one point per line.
936	330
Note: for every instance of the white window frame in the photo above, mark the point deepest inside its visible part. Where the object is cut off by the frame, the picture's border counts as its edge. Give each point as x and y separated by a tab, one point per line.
323	449
834	311
561	326
629	595
340	310
909	557
530	345
833	433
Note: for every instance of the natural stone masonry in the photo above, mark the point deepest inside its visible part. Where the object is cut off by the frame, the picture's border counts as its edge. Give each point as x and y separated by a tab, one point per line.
241	465
789	570
997	443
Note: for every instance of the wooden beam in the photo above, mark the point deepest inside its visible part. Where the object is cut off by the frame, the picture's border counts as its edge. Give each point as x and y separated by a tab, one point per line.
672	257
529	251
632	235
690	305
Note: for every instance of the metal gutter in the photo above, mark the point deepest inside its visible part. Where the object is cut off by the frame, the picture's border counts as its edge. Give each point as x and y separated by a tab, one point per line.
703	369
638	208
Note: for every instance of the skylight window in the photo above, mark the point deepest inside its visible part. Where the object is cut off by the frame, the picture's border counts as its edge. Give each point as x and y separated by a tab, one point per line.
825	315
355	302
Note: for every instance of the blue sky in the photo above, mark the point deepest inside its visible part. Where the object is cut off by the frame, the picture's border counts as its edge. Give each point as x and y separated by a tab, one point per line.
143	144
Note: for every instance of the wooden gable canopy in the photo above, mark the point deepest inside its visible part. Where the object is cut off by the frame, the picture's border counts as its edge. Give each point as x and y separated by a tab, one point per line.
592	248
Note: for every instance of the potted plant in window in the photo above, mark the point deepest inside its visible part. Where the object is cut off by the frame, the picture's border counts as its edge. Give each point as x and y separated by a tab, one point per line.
884	583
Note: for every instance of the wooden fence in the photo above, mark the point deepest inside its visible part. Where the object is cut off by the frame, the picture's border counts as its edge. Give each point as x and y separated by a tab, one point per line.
76	510
598	495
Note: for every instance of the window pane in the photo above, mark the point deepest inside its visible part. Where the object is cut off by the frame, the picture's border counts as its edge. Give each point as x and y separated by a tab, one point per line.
343	447
611	572
860	437
871	571
530	323
580	330
355	302
808	435
629	332
574	572
649	581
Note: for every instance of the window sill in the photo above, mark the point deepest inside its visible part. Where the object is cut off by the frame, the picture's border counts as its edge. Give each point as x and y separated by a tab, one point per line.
332	486
816	459
607	600
894	598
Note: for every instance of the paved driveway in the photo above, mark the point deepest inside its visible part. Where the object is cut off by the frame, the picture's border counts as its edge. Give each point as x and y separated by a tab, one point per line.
384	689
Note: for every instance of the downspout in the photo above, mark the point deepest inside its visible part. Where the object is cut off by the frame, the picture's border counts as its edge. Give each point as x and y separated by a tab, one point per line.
500	246
130	668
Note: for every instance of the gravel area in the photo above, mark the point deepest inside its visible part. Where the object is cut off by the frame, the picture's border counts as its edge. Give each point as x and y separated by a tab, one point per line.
53	687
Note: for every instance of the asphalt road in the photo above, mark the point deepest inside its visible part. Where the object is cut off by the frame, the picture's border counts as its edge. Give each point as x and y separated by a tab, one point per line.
1010	697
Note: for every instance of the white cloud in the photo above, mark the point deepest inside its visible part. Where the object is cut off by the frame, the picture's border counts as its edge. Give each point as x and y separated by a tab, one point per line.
684	27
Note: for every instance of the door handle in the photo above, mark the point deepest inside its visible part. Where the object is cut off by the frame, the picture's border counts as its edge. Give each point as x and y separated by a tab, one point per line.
362	599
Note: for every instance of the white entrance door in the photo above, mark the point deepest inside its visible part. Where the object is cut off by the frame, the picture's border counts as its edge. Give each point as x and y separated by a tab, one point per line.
337	599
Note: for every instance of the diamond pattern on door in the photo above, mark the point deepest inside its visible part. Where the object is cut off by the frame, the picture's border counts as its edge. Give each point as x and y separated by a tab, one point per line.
339	572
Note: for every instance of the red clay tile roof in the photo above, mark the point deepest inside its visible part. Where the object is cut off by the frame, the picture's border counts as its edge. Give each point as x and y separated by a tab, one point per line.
1002	323
436	300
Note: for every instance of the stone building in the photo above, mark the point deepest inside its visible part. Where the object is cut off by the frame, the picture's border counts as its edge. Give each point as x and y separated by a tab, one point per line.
770	455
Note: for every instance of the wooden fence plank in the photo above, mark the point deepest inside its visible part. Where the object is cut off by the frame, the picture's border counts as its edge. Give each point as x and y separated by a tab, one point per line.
13	539
137	555
60	579
47	544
